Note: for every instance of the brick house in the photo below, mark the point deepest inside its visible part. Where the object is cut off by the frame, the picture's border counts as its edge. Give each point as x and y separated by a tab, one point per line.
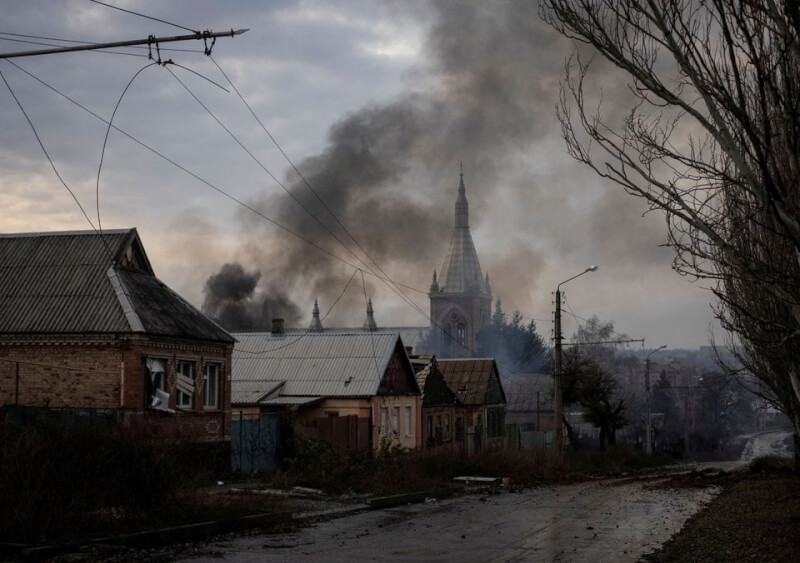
357	383
84	323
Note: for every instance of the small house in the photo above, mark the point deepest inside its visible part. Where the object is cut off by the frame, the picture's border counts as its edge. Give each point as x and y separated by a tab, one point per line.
85	325
350	388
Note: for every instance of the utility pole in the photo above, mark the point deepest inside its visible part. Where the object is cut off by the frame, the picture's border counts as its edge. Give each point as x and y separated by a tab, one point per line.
558	400
152	40
648	446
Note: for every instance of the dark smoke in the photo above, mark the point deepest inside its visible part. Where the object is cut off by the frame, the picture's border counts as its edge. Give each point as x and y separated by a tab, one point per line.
389	172
231	300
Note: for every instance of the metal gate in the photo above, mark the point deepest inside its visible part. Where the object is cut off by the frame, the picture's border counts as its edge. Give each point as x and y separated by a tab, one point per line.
254	442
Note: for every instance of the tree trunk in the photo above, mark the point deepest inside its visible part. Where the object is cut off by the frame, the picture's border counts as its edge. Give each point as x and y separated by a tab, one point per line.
602	438
612	437
796	440
573	440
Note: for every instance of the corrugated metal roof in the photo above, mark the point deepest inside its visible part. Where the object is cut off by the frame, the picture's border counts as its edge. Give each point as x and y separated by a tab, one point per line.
57	283
280	401
251	392
467	378
523	391
327	364
64	283
164	312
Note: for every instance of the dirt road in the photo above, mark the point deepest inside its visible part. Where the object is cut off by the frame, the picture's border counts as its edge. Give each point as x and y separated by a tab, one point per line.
596	521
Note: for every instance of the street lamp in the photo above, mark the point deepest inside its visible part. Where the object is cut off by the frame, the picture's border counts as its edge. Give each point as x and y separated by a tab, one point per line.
558	400
648	446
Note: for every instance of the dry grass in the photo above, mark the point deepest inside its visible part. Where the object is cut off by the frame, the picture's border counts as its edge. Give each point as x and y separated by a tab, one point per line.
755	518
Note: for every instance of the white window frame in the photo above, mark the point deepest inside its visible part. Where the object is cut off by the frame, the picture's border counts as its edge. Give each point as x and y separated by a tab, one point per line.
184	400
408	422
212	371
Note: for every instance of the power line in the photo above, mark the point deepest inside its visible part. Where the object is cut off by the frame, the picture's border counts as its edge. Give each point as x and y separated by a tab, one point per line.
105	142
286	345
384	276
53	166
143	15
194	175
385	279
264	168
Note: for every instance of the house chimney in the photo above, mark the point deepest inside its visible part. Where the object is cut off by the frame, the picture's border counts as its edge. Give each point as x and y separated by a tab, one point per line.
409	350
277	326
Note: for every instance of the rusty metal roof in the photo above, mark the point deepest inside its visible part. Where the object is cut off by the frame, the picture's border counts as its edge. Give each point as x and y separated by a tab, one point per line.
312	364
529	392
78	282
469	379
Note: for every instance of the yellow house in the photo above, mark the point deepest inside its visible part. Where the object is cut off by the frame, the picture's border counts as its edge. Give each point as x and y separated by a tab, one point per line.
349	388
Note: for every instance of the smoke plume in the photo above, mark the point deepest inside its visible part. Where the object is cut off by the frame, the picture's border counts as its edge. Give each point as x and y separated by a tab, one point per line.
389	172
231	299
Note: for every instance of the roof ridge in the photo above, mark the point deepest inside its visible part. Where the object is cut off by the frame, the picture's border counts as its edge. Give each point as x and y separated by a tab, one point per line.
66	233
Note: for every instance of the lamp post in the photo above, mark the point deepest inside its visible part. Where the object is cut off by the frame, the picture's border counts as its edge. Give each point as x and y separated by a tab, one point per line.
558	410
648	446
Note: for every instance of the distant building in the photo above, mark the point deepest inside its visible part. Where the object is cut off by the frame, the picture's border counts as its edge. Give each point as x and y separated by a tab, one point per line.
463	405
460	296
86	324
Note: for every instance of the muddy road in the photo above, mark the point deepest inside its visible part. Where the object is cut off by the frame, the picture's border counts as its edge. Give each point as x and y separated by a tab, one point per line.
612	520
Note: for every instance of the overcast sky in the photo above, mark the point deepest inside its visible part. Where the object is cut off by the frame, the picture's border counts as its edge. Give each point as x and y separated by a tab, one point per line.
377	103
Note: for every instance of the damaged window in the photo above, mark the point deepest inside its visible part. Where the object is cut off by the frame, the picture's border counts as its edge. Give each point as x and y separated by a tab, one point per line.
156	383
384	416
184	384
495	423
211	386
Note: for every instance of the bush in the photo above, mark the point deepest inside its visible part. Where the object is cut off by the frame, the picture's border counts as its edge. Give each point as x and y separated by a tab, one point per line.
62	483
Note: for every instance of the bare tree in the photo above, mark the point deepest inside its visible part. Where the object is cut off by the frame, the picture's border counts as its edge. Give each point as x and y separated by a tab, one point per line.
712	138
589	378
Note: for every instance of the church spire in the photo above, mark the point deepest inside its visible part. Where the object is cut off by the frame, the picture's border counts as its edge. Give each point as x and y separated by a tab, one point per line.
462	207
316	323
369	323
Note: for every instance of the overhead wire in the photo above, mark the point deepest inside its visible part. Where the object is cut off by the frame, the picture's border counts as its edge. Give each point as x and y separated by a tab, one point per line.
304	334
192	174
384	278
143	16
105	141
262	166
52	164
391	284
395	286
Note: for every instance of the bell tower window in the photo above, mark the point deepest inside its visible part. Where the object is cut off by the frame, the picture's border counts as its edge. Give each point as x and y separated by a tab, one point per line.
461	333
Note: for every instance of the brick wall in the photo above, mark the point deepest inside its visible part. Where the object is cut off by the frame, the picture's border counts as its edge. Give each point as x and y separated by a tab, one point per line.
60	372
109	372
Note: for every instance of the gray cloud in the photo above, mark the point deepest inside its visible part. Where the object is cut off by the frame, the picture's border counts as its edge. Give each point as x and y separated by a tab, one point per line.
482	91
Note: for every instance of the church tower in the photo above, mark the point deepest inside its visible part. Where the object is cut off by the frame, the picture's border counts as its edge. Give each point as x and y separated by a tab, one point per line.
461	297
